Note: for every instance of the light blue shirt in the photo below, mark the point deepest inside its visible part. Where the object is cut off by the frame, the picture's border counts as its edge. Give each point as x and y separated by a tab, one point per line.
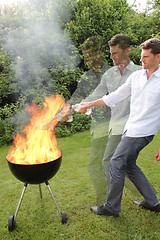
144	117
111	80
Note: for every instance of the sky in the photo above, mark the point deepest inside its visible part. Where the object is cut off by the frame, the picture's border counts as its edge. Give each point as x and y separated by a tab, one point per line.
9	2
141	4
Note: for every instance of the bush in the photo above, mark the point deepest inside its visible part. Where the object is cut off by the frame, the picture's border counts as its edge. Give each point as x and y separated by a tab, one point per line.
80	123
6	127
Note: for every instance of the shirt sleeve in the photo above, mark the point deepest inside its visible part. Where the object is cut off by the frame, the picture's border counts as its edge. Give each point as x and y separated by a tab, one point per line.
120	94
100	90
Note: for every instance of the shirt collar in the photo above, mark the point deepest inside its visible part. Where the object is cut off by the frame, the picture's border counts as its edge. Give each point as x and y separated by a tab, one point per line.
156	73
129	66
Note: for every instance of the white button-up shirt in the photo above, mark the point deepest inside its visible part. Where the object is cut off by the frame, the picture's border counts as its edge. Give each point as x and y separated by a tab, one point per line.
144	118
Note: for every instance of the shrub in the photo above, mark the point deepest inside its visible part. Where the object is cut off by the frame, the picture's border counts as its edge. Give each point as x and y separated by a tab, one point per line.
80	123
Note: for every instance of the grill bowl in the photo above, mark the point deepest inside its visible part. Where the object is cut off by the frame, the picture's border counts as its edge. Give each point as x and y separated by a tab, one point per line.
35	173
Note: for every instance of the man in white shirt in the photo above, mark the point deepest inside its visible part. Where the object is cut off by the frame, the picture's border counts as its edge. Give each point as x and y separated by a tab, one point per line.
143	123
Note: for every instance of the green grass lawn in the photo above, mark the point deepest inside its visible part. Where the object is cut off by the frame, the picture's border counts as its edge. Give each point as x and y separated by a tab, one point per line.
38	219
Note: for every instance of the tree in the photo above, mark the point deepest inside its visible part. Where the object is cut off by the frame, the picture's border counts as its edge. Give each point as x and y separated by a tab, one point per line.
104	18
155	15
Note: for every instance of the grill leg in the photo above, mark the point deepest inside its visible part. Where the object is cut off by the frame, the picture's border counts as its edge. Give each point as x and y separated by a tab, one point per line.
12	218
20	200
49	188
40	190
62	214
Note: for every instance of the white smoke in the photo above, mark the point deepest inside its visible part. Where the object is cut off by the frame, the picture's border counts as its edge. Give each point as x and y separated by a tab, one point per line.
39	43
36	42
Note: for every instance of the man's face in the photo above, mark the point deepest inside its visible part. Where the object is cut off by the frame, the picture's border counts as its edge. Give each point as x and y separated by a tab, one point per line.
148	59
118	55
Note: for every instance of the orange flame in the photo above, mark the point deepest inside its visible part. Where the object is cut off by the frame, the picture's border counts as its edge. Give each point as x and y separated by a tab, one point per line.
39	144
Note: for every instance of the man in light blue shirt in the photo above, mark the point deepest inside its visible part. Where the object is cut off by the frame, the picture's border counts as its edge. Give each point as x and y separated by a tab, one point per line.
143	123
103	126
94	59
120	46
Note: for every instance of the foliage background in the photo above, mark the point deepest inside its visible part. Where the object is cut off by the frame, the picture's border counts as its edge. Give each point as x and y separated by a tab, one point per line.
40	51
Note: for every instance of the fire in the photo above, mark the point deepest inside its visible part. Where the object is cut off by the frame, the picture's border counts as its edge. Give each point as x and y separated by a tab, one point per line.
38	143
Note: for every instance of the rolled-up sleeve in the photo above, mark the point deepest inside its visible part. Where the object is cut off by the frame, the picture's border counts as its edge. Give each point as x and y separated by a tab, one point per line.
120	94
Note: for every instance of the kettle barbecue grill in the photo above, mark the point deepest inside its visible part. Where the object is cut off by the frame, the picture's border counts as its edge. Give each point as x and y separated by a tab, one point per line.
35	174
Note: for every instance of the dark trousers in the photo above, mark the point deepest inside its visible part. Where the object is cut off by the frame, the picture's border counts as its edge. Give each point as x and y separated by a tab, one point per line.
123	162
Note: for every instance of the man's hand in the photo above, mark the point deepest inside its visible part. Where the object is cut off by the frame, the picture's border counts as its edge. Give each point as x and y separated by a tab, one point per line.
65	112
83	107
157	156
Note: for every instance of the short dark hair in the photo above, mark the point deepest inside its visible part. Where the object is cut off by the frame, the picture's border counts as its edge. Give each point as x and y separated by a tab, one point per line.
120	40
153	44
93	43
